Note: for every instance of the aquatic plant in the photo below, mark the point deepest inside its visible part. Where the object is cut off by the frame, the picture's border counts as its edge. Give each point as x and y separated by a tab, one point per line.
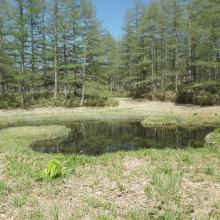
53	170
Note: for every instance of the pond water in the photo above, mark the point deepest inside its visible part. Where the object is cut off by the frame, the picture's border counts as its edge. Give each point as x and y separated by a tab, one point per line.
95	138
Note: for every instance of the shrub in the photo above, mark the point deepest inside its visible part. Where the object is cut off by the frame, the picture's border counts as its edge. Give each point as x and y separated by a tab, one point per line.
217	130
140	90
8	101
204	94
12	101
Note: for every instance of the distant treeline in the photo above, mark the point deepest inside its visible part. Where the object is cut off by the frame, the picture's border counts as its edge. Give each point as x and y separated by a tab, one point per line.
60	47
169	43
52	45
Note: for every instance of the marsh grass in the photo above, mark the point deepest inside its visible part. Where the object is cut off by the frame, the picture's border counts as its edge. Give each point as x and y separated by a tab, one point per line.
181	120
187	158
169	214
54	212
4	188
98	203
19	202
36	215
166	182
145	184
165	170
209	171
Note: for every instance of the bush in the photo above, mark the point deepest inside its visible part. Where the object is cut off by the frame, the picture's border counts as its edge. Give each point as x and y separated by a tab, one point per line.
217	130
144	90
12	101
204	94
140	91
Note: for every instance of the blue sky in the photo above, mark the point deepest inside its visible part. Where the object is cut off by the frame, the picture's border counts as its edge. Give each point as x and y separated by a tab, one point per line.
111	13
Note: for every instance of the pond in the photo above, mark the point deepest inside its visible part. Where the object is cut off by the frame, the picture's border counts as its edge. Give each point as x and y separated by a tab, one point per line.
95	138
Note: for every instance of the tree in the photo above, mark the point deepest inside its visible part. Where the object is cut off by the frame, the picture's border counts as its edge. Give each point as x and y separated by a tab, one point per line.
6	61
90	44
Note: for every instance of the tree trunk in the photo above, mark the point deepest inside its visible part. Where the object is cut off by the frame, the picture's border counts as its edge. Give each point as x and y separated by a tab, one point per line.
55	69
44	47
153	68
190	49
22	51
1	49
83	77
65	63
55	51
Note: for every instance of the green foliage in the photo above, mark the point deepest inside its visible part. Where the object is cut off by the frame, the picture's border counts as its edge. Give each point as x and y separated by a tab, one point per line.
8	101
12	101
53	170
207	93
139	91
167	43
217	130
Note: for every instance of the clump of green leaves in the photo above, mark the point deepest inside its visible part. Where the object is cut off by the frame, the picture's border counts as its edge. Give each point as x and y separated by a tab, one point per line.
217	130
53	170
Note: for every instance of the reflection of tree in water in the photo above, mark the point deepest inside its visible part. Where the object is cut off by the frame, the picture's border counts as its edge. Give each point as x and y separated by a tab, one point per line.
100	137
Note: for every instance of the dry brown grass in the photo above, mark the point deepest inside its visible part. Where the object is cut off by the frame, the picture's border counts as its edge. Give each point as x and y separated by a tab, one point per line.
148	107
114	187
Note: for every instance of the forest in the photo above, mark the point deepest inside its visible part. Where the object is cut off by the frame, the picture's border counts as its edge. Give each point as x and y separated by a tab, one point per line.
58	53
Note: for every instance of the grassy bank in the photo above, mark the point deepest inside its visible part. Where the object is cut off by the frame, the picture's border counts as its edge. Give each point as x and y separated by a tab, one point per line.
144	184
179	120
166	184
127	109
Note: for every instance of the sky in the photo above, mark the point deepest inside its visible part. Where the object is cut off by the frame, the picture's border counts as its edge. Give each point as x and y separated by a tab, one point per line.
111	13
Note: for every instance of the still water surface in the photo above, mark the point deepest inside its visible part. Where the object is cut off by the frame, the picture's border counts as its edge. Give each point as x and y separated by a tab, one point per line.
95	138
